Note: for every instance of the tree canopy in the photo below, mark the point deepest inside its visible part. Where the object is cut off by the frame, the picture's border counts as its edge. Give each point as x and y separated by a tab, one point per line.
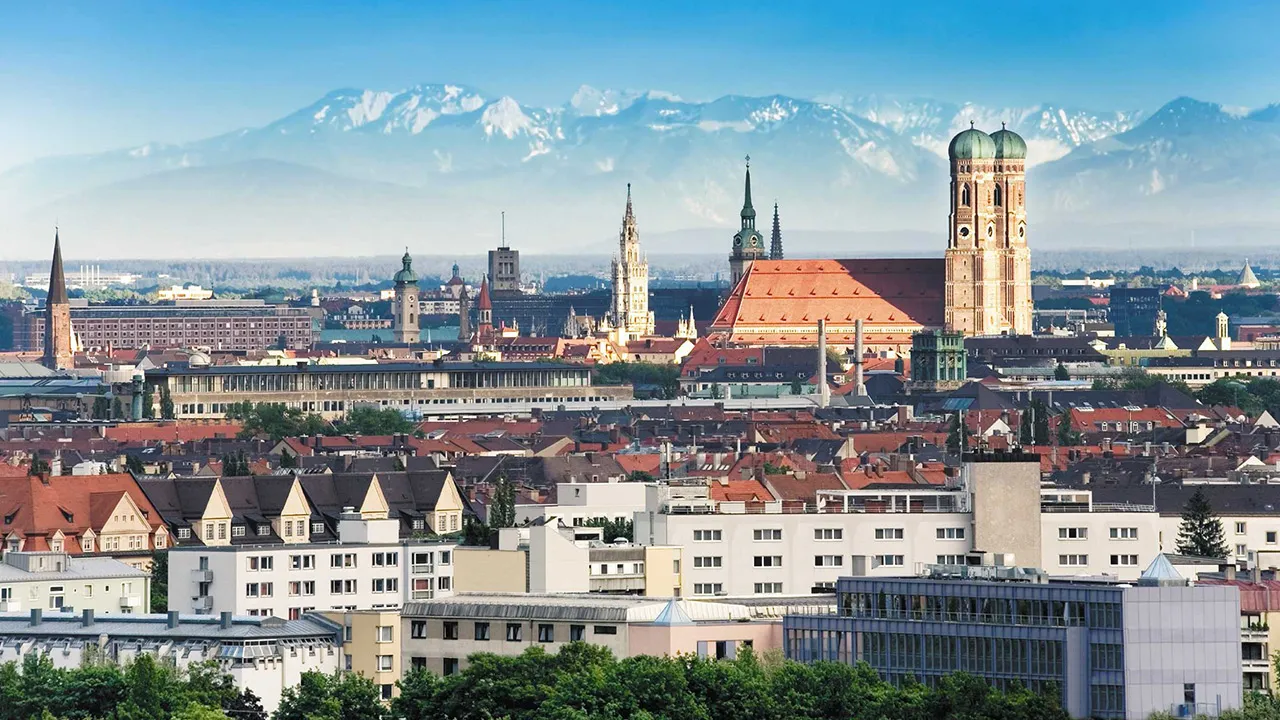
585	682
276	421
1201	532
366	420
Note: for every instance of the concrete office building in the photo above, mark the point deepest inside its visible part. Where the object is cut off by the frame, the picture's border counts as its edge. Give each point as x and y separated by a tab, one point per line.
265	655
370	567
1113	651
576	503
56	581
371	646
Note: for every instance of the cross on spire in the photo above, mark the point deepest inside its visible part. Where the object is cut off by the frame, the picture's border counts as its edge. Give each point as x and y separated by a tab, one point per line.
748	162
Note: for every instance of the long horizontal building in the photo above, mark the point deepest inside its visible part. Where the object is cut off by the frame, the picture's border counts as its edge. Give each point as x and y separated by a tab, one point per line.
332	390
215	324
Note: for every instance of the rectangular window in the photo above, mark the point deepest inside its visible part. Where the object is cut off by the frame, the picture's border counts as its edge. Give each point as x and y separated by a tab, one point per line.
482	631
708	588
951	533
342	560
708	561
768	561
706	536
605	629
515	632
237	531
418	629
446	557
546	633
1242	550
251	590
889	533
1271	537
828	533
385	634
1124	533
450	629
1124	560
888	560
184	533
222	531
577	633
302	562
261	562
1073	560
769	588
1073	533
1240	528
295	588
828	560
767	534
308	587
450	666
951	560
384	663
317	528
208	531
387	559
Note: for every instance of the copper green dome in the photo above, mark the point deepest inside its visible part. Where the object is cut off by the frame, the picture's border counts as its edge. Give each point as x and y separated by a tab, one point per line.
1009	145
972	144
406	274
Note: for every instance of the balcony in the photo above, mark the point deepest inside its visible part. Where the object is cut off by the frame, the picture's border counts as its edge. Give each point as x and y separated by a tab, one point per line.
1254	633
10	606
202	576
422	569
129	602
1259	665
204	604
616	583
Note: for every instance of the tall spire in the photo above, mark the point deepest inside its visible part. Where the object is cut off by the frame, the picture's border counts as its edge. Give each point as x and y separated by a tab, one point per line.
775	246
628	215
748	212
57	280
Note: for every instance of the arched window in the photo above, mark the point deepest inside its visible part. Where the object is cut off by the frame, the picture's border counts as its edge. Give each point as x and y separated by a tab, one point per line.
999	197
964	195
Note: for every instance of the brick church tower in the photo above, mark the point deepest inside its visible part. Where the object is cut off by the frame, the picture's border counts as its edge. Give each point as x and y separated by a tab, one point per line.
748	243
988	263
58	340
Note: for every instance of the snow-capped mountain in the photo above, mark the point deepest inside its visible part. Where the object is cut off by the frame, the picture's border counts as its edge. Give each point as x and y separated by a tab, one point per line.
434	164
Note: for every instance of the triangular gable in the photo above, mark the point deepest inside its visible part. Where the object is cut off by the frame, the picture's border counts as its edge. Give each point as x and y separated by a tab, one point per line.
218	507
1265	420
125	509
450	498
296	503
374	506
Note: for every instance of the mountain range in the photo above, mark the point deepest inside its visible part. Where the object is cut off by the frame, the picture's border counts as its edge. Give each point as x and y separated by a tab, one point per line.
362	172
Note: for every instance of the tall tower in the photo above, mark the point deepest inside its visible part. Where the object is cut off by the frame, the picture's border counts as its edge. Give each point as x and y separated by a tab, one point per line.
404	324
504	266
464	314
631	280
484	313
58	349
748	243
1008	199
775	242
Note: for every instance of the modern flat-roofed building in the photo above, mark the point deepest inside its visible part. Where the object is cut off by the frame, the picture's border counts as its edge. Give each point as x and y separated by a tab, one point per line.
411	387
265	655
56	582
1113	651
215	324
371	646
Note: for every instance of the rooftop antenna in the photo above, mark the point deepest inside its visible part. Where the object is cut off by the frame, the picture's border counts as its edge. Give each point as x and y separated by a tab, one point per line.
504	229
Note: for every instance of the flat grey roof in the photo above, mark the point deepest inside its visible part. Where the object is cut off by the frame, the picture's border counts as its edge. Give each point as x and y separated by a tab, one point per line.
78	568
189	627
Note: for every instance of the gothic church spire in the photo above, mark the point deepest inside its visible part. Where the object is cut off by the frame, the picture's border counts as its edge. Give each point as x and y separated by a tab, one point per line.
775	245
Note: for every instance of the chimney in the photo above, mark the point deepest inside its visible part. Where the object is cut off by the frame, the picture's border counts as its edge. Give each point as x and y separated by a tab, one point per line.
86	617
824	393
172	619
37	616
1229	571
859	385
225	621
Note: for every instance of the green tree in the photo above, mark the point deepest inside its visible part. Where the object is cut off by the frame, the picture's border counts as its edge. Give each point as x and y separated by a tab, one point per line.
475	532
117	409
311	699
358	697
1201	531
133	464
275	421
502	506
148	401
1061	373
166	403
245	706
101	409
288	460
1067	436
366	420
418	696
160	581
612	529
958	435
640	476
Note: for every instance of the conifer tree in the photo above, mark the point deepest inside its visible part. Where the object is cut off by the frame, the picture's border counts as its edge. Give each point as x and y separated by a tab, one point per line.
1201	531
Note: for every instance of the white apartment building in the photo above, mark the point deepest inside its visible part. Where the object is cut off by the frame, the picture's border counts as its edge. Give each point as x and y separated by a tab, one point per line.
368	567
576	503
58	582
265	656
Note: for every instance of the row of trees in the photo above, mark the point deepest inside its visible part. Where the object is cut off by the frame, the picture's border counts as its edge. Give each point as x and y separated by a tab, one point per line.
276	421
145	689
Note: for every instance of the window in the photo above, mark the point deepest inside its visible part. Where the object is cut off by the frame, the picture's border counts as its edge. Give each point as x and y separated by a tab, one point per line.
1124	560
577	633
998	198
56	596
828	533
706	536
888	560
1073	533
423	588
951	560
261	562
222	531
446	557
515	632
889	533
828	560
386	585
446	583
308	587
342	560
482	631
1242	550
546	633
964	195
317	528
708	561
418	524
450	629
386	690
768	534
1240	528
184	533
342	587
384	663
951	533
769	588
1073	560
418	629
385	634
450	666
1124	533
258	590
295	588
208	531
1271	537
605	629
237	531
708	588
768	561
302	562
387	559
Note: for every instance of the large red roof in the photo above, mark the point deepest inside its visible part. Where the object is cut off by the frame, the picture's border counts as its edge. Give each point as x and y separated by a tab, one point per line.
781	301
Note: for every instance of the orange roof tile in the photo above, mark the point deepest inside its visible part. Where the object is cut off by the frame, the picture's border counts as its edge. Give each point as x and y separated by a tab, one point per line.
173	431
739	491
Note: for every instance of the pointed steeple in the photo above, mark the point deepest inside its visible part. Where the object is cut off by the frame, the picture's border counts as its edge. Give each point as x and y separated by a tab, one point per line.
628	215
775	246
484	303
57	280
748	212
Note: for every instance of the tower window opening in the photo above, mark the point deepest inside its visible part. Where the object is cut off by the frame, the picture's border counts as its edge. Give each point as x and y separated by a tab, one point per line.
964	195
999	197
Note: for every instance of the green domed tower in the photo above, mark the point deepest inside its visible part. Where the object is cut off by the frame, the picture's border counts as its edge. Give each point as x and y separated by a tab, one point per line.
405	308
748	243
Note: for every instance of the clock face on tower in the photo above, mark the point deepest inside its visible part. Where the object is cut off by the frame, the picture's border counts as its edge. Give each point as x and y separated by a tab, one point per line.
737	241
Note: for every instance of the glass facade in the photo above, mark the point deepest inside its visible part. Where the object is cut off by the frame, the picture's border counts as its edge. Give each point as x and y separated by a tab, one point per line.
1059	638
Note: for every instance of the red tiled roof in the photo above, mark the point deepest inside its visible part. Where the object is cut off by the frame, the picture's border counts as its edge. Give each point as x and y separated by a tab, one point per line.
792	486
893	297
640	462
70	503
739	491
173	431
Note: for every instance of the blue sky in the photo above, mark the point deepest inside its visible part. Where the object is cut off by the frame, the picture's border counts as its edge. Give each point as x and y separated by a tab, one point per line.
87	76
